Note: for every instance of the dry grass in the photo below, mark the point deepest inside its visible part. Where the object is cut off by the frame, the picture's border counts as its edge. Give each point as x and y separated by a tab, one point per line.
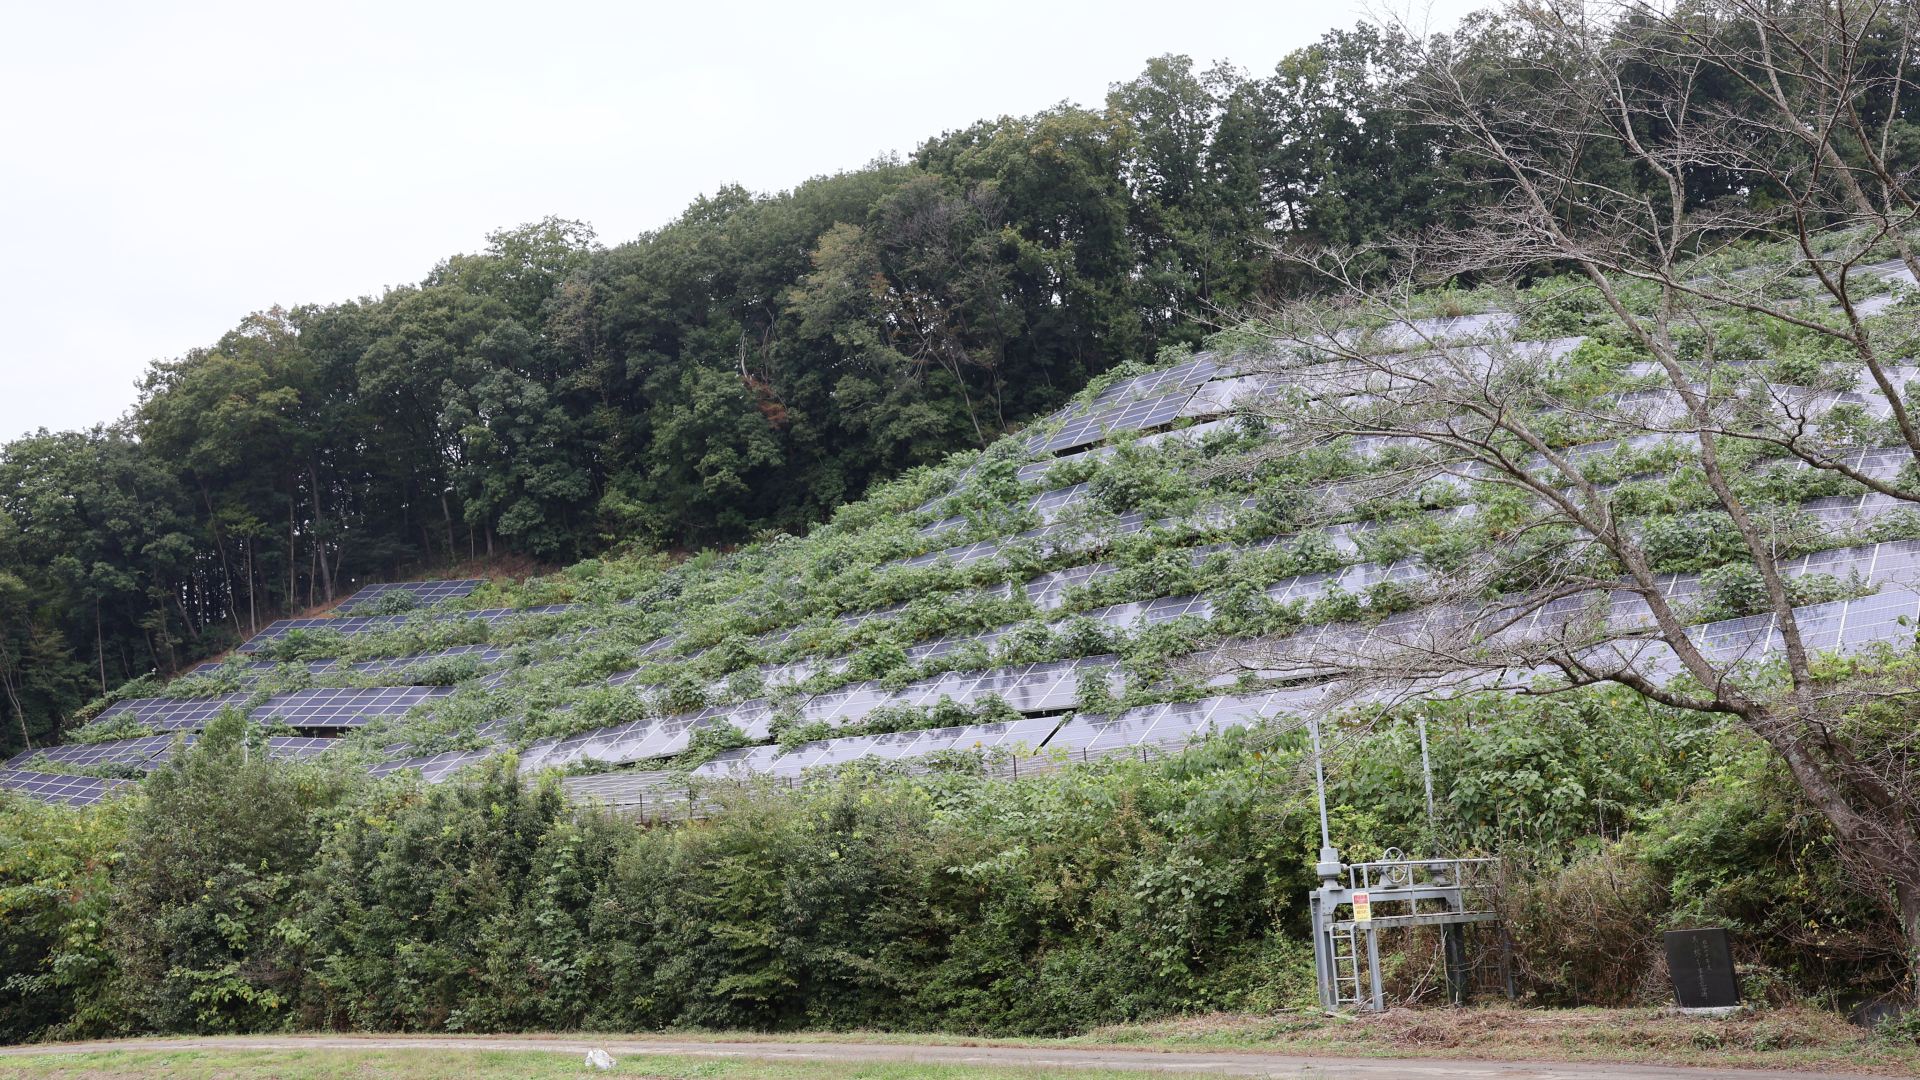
1783	1038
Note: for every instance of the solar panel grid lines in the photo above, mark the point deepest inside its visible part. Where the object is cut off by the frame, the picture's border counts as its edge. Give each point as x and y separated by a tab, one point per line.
1156	725
363	624
341	707
1030	732
170	714
57	788
424	593
176	743
627	790
135	751
434	768
298	747
485	654
1047	504
1099	422
1036	471
1442	329
1225	395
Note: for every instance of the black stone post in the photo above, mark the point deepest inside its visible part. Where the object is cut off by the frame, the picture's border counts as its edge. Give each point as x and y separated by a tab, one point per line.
1453	941
1701	963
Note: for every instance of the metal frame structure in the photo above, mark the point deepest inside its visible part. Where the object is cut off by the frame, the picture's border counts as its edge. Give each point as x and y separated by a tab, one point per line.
1445	892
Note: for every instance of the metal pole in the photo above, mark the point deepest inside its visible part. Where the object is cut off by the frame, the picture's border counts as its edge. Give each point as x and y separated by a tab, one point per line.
1453	939
1373	968
1426	773
1319	783
1322	955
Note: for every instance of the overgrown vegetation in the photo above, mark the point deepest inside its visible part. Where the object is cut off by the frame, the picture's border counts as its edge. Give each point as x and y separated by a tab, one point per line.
234	894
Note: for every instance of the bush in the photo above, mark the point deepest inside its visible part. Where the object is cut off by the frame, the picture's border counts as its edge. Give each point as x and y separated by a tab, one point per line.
1586	932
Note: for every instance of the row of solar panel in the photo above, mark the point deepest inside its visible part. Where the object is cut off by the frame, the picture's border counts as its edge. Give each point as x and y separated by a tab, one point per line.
1835	626
1049	591
1055	686
1445	634
1154	398
363	624
252	670
1655	406
420	593
1838	625
1353	579
319	707
151	751
1055	497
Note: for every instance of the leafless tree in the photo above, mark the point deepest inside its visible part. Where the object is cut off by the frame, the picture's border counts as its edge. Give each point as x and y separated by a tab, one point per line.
1651	145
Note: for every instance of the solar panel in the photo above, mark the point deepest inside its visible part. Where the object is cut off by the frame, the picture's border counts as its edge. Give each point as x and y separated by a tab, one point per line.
773	761
423	593
1047	504
56	788
484	654
1441	329
627	790
434	768
136	751
170	714
1179	376
298	747
336	707
1175	723
1102	421
367	624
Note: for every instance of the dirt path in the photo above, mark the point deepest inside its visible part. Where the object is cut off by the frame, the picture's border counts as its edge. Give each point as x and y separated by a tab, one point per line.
1221	1063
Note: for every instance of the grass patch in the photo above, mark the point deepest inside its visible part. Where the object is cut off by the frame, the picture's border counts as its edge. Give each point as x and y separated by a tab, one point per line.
1782	1038
1771	1039
426	1064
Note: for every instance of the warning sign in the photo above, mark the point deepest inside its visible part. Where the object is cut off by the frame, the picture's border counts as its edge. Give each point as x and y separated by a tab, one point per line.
1362	907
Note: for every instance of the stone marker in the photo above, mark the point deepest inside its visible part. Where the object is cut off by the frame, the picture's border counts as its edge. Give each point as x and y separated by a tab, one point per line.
599	1059
1701	963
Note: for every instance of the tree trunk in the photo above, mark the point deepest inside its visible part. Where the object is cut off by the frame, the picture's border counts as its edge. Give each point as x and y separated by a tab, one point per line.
13	698
99	646
293	552
253	609
1908	896
446	515
320	532
220	545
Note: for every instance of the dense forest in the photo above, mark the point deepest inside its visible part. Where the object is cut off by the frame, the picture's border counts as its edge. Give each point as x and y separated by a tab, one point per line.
747	367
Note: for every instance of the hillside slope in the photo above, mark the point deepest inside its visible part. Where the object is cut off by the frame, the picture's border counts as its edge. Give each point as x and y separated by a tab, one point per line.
1096	584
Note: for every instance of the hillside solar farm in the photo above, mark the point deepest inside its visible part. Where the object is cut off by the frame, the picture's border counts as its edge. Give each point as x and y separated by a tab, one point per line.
1183	550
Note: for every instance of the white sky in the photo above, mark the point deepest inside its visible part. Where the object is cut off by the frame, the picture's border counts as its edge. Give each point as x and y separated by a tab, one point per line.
167	168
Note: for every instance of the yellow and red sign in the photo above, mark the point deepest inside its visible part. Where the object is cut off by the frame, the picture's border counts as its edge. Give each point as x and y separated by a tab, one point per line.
1362	907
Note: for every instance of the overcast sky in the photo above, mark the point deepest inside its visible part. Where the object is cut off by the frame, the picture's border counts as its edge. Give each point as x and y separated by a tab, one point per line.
167	168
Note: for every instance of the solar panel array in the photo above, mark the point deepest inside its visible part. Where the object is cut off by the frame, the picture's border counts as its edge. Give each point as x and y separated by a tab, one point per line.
367	624
331	707
57	788
421	593
171	714
1046	694
138	751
